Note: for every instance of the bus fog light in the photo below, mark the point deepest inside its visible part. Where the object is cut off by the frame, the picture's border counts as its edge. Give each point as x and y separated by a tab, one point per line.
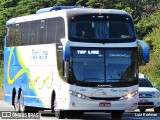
79	95
129	95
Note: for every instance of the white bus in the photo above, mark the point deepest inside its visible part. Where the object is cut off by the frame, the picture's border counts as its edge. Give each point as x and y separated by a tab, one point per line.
72	60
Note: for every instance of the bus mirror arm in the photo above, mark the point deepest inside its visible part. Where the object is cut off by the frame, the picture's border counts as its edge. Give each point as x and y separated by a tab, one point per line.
145	50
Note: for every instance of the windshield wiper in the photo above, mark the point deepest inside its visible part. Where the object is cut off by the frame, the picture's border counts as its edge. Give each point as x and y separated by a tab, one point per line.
93	79
117	79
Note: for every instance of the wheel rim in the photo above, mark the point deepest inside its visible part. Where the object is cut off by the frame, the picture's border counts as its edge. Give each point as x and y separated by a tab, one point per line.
21	106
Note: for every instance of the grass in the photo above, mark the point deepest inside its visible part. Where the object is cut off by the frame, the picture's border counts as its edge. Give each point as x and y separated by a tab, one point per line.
1	78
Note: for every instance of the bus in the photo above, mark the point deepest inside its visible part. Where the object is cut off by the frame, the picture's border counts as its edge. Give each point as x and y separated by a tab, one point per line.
72	60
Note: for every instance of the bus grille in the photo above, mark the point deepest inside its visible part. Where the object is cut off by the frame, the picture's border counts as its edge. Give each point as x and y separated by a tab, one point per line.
105	98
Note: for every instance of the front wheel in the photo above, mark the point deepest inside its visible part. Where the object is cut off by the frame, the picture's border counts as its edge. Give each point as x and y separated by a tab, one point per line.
60	114
117	114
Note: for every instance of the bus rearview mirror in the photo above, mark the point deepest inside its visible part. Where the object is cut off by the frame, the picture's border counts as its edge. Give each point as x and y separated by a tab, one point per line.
145	50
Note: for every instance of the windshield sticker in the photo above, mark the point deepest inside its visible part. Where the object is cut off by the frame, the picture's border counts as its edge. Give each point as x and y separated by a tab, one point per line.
93	52
119	90
119	55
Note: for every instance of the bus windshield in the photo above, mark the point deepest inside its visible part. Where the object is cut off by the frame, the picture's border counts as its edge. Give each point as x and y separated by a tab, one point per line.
103	65
100	30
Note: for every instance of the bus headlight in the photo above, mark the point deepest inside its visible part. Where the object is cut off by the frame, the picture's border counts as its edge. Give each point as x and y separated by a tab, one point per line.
79	95
129	95
156	94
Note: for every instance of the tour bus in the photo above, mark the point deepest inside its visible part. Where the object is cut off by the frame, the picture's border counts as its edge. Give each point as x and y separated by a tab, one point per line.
71	59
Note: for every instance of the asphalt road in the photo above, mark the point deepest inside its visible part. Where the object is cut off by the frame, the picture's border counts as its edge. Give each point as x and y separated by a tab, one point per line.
128	115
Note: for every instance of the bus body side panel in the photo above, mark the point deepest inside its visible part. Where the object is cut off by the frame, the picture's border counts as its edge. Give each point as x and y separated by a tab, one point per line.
32	69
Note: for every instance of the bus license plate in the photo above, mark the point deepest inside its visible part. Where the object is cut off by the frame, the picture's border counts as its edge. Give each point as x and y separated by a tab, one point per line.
143	101
104	104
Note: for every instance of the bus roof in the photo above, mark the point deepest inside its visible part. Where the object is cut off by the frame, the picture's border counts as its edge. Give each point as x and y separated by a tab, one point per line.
65	13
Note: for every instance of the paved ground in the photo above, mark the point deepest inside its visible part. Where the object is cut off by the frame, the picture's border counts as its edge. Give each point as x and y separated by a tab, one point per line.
1	94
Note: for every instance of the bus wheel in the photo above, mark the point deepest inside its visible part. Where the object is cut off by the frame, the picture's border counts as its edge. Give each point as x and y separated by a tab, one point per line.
60	114
19	104
117	114
74	114
14	99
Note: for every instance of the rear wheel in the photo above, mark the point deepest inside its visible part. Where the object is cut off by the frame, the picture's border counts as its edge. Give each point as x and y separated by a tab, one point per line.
20	107
117	114
18	103
14	100
142	110
29	109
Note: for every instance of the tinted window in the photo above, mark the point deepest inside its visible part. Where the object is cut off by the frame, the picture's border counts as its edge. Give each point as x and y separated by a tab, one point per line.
23	32
143	82
51	31
100	30
10	35
43	31
33	32
104	65
60	32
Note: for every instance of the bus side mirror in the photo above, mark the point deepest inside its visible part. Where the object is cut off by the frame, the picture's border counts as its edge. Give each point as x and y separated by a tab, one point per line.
145	50
66	50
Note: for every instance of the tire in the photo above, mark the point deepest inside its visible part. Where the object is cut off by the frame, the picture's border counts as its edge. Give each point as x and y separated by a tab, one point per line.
157	110
19	107
142	110
117	114
28	109
60	114
14	99
74	114
52	102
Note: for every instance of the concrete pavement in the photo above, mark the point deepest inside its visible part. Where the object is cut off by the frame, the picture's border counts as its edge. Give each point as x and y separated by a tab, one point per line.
5	106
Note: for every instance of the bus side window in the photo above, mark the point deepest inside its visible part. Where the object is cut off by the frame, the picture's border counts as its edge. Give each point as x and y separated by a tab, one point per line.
60	32
33	32
10	35
24	31
42	31
60	62
18	35
51	31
